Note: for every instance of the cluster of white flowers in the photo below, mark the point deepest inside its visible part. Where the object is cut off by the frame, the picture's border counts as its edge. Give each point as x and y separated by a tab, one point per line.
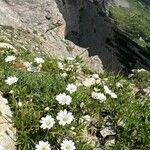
70	64
96	94
10	58
48	122
65	145
11	80
64	117
34	68
29	66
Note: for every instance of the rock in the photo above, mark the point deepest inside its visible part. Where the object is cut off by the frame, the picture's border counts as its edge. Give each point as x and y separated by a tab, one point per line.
96	63
8	16
122	3
89	138
38	25
107	131
42	15
7	132
139	70
89	82
147	90
134	89
110	142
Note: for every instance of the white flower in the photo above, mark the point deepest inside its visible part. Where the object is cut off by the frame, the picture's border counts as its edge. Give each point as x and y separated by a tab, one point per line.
64	74
71	88
20	104
47	122
67	145
64	117
70	58
88	82
63	99
60	66
119	85
1	147
11	80
99	96
10	58
39	60
43	146
113	95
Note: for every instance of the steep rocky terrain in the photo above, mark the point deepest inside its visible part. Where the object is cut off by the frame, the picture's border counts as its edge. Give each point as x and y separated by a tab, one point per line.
31	31
43	24
85	23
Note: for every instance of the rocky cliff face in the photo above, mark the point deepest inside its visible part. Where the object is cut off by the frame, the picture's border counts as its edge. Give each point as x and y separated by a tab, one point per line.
44	26
39	26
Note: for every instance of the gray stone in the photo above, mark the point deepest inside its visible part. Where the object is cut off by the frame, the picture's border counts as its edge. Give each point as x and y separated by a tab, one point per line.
7	132
122	3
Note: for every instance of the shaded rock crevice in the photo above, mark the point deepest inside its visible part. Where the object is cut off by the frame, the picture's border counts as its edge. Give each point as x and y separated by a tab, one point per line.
89	26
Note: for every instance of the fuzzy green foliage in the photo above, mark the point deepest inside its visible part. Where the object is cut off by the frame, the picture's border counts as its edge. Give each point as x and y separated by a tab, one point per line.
134	21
